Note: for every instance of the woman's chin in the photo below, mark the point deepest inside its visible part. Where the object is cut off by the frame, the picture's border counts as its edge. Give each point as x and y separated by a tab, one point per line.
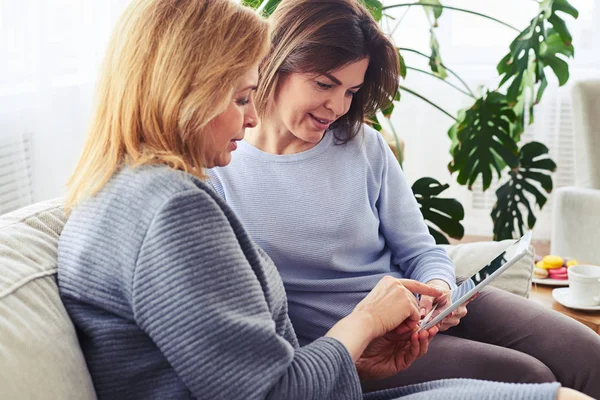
223	160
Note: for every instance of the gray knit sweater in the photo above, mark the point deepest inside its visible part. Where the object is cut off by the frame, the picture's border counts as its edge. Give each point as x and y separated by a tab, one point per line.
171	299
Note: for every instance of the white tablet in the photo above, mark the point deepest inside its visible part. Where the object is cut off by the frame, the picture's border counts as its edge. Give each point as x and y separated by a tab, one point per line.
478	281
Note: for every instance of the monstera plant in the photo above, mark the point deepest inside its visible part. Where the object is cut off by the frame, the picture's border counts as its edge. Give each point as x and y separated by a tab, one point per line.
486	136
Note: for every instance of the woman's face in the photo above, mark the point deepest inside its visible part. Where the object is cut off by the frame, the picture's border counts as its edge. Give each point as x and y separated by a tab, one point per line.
307	105
223	131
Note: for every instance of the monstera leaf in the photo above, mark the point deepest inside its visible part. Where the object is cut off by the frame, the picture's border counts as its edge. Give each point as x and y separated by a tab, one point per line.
482	140
534	49
446	214
524	185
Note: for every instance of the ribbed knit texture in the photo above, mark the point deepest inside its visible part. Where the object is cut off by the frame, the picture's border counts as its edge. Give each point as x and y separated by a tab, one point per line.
335	219
469	389
172	300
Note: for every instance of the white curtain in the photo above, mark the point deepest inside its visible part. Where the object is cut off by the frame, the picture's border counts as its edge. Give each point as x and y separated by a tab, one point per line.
50	51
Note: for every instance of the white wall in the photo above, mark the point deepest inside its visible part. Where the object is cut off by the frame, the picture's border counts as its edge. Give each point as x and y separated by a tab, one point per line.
50	52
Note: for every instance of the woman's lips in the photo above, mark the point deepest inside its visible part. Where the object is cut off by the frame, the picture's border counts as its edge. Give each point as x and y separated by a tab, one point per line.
320	123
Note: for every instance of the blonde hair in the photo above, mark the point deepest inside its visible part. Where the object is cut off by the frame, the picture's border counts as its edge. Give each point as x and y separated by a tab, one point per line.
171	67
320	36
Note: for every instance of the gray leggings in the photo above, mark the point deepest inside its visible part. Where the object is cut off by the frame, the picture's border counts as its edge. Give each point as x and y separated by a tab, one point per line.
507	338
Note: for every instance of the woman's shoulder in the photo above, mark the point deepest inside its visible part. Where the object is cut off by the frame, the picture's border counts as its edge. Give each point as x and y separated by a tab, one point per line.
373	137
140	194
151	186
368	145
368	139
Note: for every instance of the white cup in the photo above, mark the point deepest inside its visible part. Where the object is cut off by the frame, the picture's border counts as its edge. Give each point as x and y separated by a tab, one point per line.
584	285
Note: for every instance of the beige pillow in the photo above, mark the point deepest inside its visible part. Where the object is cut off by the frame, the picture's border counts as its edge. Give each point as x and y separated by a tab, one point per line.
470	257
40	357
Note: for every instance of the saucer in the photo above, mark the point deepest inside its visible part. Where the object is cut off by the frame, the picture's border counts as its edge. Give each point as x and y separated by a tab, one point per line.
563	296
551	282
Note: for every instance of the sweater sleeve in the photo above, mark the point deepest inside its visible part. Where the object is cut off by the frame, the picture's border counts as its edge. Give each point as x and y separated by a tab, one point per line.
199	299
468	389
414	249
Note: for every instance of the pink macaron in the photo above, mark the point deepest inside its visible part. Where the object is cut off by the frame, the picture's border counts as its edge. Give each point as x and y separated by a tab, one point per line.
558	273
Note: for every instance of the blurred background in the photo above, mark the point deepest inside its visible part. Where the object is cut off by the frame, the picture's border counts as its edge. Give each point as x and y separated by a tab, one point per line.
50	52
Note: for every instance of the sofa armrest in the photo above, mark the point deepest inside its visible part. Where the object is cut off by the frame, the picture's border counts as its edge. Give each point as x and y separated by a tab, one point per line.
575	224
470	257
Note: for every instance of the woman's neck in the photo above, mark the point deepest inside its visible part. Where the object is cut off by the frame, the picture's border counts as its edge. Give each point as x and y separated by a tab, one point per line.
276	140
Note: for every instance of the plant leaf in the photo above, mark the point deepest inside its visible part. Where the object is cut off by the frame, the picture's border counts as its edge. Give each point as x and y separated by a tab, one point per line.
514	197
402	65
375	8
374	123
253	4
435	59
433	12
538	43
443	213
387	112
483	140
270	7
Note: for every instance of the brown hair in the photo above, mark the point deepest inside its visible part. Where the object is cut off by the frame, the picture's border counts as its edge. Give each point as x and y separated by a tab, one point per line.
171	66
320	36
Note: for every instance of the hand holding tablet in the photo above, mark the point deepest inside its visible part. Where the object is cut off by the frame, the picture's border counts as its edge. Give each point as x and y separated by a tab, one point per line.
480	279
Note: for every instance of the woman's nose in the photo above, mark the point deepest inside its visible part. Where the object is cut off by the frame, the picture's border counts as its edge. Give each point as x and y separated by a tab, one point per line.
337	104
251	118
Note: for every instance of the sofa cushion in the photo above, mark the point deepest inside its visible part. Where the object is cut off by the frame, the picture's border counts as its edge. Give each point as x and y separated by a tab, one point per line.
470	257
40	357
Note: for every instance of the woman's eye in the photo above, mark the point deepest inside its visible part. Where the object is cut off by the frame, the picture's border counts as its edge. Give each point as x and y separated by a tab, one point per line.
243	102
350	94
323	85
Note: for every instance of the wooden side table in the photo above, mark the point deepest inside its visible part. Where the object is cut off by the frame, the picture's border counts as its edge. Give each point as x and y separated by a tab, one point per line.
543	295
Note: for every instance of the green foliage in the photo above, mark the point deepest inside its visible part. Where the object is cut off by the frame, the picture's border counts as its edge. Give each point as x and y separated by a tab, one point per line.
375	8
268	8
435	60
524	184
538	46
443	213
253	4
402	65
432	12
482	140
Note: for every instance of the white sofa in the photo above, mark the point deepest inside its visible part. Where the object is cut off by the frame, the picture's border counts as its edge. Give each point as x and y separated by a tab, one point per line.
576	210
39	354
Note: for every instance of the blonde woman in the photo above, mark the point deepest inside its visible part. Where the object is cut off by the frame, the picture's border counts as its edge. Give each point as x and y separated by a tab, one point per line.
170	297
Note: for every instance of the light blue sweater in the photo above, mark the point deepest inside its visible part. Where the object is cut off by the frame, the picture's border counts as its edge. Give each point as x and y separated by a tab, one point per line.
172	300
335	219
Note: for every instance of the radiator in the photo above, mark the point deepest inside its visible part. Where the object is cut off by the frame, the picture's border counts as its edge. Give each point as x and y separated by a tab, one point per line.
15	171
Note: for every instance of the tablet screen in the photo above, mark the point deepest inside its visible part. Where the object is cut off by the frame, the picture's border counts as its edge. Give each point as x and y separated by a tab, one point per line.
481	278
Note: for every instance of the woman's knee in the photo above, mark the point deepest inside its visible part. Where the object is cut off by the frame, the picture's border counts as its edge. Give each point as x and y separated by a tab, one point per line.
522	368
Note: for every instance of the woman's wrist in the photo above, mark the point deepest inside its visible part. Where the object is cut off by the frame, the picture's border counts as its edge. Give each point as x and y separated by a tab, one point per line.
439	283
355	332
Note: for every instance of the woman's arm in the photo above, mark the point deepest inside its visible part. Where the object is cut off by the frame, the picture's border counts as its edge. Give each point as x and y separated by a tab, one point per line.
403	226
203	303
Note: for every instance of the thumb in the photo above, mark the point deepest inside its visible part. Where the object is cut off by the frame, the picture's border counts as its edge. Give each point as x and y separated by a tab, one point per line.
425	305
